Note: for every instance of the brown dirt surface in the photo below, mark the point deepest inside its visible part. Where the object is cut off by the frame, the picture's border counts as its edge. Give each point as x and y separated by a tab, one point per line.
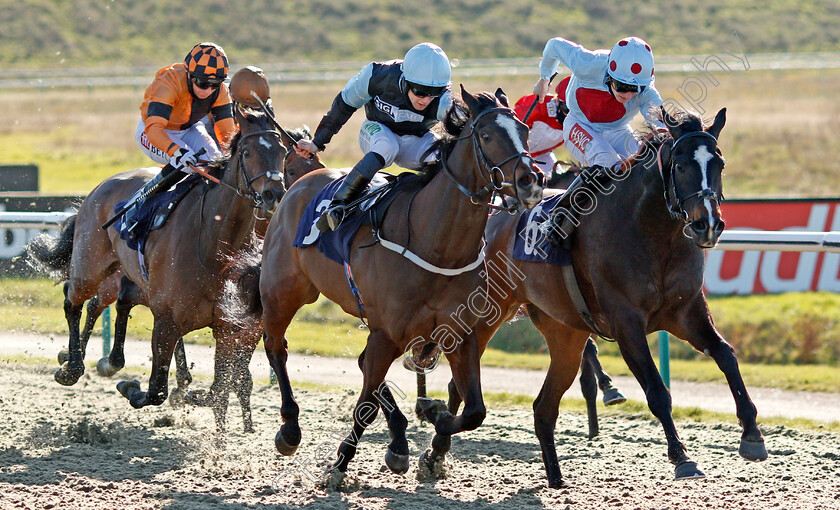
85	447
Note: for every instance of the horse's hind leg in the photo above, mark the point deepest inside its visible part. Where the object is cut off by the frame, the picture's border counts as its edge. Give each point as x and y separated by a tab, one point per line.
164	337
128	297
589	388
74	367
279	307
565	345
94	310
703	336
611	394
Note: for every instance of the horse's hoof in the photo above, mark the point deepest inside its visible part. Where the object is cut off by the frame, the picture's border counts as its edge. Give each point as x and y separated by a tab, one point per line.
613	397
559	483
688	470
200	398
248	428
177	398
63	356
332	478
395	462
431	408
286	440
430	468
105	368
127	388
67	377
753	450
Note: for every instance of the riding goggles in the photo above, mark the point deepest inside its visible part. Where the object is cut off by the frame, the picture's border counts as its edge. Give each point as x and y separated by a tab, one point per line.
207	83
425	91
623	88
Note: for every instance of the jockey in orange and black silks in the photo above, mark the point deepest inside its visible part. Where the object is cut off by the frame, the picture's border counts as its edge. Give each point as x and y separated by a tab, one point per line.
187	109
606	91
403	99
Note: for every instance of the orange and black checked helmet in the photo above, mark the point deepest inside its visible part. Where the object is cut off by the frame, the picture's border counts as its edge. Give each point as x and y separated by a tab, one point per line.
207	61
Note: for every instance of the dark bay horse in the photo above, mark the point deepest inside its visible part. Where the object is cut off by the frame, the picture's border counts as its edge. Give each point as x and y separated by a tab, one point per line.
186	262
441	219
638	258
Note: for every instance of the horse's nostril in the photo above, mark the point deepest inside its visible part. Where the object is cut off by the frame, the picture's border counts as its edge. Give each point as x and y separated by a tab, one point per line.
700	225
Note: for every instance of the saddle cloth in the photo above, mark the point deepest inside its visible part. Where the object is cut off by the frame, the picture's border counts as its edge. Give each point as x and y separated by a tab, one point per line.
153	212
531	244
336	244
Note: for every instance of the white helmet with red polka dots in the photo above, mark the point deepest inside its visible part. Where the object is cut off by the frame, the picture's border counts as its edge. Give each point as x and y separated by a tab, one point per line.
631	61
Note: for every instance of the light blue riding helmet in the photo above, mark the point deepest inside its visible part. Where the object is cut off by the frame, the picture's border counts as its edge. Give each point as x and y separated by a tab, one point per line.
427	64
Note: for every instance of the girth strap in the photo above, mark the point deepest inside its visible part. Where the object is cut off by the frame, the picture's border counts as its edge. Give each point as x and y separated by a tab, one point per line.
413	257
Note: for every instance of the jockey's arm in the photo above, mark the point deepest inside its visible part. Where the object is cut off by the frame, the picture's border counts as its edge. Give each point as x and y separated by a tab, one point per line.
351	98
222	114
156	115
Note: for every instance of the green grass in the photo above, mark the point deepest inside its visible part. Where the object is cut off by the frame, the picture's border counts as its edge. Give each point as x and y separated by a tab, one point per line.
322	328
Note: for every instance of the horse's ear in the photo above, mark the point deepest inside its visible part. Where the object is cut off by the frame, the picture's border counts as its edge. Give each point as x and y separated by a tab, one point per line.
469	99
717	125
502	97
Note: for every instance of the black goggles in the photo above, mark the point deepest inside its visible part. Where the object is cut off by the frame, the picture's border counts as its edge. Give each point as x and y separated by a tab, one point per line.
206	83
623	88
425	91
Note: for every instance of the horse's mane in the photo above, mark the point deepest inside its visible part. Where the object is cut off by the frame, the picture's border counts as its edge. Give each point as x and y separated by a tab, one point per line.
453	125
652	139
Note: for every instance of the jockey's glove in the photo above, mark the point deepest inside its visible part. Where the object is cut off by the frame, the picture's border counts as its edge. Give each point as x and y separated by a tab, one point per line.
184	158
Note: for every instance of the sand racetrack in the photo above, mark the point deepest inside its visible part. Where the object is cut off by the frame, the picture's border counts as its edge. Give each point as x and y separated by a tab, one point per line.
85	447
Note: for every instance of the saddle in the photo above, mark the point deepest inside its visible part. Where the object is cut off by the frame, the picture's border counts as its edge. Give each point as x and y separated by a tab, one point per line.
368	209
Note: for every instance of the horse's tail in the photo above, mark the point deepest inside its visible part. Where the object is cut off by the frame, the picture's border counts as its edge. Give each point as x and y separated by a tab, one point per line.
241	303
50	255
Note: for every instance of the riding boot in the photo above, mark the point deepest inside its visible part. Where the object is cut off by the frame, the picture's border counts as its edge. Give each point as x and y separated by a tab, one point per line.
566	207
164	180
352	185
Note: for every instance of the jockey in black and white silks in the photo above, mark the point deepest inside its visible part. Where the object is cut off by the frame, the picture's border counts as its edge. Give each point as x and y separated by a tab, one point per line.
403	99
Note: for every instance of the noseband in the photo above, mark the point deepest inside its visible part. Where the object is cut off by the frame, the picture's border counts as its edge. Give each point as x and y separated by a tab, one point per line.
491	173
675	205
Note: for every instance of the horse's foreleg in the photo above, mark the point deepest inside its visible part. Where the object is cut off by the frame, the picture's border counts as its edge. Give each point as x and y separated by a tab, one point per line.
243	382
74	367
463	362
396	457
177	397
634	348
703	336
164	337
380	353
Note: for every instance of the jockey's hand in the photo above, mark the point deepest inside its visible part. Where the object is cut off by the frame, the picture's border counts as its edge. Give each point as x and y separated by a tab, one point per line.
541	89
305	148
184	158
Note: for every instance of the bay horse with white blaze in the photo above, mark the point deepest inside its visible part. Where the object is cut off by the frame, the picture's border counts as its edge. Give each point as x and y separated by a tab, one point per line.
638	260
186	262
440	216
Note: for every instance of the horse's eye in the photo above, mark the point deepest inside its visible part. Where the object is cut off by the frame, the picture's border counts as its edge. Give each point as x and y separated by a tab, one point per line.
246	153
485	136
678	167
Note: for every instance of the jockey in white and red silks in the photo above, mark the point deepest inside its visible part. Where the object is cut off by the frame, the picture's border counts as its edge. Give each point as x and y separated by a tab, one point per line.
606	91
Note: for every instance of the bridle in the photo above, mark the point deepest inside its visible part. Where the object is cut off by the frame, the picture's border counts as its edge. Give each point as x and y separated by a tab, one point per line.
491	173
673	197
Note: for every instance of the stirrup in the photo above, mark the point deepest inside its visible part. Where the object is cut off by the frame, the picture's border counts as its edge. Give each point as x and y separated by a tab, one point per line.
331	218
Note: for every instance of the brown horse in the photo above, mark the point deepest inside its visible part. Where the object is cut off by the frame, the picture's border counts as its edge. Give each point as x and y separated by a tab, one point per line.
186	262
439	224
638	258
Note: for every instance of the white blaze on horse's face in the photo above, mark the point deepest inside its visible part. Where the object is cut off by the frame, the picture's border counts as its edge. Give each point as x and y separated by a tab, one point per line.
703	156
265	143
509	125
